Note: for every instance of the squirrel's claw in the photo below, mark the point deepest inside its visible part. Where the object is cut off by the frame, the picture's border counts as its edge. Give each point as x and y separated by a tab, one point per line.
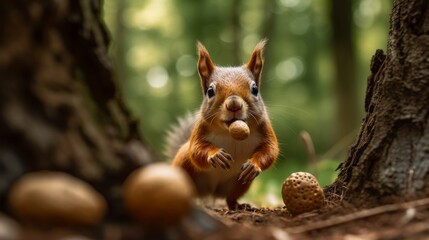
221	159
249	172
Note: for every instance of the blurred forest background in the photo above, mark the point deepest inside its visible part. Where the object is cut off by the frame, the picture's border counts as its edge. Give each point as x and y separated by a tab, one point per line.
316	64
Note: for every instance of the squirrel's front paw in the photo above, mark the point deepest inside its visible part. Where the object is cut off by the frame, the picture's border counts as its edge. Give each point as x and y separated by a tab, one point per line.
221	159
249	171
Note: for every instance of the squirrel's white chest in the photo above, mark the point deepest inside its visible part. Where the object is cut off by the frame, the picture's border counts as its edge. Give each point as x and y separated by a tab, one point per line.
241	151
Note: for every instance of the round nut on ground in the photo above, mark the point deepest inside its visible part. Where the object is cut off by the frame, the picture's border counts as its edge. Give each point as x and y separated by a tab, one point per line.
302	193
56	198
158	195
239	130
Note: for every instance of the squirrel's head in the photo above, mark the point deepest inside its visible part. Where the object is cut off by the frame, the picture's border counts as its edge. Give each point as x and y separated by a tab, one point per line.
231	93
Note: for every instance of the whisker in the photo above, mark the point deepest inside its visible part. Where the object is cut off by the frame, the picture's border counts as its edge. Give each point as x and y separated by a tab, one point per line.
211	117
252	114
207	118
286	107
214	115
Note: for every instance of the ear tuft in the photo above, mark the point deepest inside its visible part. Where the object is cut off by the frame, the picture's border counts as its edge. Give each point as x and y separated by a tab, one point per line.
255	63
205	66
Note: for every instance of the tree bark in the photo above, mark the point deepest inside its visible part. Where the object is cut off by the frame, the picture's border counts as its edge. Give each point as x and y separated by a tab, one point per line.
390	159
60	106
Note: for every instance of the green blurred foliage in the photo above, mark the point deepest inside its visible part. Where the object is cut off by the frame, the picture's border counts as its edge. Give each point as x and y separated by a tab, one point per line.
153	46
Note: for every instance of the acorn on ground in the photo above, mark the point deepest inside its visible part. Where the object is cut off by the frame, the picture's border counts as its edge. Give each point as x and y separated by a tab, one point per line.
302	193
158	195
56	199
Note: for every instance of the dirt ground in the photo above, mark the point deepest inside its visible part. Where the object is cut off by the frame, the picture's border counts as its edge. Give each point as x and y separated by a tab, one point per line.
408	220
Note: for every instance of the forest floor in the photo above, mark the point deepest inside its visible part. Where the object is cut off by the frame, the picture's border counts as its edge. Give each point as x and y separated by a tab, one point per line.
406	220
409	220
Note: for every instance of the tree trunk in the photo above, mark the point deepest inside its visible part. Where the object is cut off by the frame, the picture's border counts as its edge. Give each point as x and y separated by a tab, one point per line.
390	159
60	106
236	31
345	82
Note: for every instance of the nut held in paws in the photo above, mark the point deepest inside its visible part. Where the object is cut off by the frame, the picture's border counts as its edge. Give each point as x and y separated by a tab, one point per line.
302	193
239	130
158	195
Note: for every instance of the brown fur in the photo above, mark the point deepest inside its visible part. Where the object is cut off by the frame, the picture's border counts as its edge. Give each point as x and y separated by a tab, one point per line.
218	164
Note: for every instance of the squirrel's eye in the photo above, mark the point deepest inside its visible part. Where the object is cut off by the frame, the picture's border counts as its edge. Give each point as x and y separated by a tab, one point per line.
255	89
210	92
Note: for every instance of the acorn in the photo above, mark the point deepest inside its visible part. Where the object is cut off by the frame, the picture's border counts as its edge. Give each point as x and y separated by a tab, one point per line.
239	130
54	199
158	195
302	193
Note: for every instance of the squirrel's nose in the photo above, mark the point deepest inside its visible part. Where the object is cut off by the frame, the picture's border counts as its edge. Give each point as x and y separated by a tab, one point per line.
233	105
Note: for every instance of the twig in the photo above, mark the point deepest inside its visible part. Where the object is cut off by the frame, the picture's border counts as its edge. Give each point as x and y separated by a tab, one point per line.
308	143
358	215
406	232
410	183
340	146
411	231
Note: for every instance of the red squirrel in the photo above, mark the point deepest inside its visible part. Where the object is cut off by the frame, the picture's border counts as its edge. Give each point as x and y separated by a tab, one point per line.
218	164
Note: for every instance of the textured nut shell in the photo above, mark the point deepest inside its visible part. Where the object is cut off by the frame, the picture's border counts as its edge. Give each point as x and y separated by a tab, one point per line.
158	195
239	130
56	198
301	193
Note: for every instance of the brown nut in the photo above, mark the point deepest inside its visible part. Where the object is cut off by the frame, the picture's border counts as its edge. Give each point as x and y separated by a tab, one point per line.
239	130
301	193
56	198
158	195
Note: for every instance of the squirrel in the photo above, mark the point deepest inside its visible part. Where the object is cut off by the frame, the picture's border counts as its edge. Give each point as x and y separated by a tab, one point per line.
218	164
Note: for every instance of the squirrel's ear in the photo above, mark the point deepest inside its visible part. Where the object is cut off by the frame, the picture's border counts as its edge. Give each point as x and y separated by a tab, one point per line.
205	66
255	63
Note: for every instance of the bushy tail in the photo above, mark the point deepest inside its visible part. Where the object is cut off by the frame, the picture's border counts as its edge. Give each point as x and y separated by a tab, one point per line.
179	134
